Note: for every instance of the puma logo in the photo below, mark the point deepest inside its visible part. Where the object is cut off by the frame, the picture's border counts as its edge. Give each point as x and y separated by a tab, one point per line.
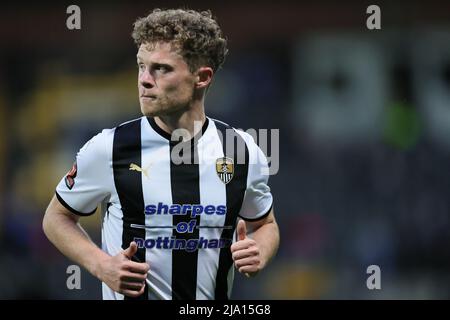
135	167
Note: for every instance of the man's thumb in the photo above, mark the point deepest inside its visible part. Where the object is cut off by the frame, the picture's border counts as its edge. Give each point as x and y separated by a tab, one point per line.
241	230
131	250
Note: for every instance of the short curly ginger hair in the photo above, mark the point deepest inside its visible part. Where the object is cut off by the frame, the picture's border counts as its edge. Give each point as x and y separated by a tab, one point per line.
196	35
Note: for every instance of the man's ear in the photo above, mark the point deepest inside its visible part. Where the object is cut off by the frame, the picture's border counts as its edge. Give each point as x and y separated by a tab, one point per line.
204	77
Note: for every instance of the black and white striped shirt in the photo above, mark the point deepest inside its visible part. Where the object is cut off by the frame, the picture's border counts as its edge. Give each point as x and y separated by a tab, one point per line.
182	216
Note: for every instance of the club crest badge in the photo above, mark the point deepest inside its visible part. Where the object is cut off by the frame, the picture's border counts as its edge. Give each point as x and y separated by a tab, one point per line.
70	177
225	169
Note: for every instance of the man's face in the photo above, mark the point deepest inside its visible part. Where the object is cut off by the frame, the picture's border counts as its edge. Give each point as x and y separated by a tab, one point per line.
165	82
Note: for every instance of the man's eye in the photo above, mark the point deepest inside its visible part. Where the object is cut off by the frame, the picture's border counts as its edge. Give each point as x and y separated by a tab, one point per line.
162	69
141	66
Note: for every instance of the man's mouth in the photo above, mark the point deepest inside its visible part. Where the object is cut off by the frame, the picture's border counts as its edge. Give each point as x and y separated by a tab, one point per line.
148	97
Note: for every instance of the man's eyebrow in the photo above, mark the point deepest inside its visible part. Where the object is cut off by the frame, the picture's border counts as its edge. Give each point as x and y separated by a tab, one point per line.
161	64
156	63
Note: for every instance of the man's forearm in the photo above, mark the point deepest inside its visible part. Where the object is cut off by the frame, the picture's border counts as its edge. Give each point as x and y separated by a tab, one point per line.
268	238
70	238
118	272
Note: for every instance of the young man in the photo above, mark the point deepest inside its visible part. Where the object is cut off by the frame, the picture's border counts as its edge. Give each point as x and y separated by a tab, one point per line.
170	206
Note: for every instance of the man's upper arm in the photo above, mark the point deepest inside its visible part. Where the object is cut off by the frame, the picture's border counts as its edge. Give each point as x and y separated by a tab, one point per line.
55	207
89	181
258	201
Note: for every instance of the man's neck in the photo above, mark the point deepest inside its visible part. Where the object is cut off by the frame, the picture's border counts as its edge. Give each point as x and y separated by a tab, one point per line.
191	120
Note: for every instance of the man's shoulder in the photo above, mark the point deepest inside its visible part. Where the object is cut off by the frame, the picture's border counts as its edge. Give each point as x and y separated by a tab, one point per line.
128	123
220	124
107	134
227	128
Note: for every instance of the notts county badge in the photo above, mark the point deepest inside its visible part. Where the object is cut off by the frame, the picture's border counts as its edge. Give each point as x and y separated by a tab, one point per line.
225	169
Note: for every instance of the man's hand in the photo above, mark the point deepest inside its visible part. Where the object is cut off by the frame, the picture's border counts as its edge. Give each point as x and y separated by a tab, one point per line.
245	252
123	275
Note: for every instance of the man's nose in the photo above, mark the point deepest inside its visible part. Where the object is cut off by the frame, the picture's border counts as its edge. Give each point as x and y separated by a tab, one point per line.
146	79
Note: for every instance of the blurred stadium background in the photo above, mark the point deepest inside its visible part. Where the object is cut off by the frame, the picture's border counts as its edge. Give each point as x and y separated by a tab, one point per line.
364	119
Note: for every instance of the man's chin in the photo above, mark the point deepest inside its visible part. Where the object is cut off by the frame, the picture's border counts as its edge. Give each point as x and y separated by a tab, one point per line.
150	112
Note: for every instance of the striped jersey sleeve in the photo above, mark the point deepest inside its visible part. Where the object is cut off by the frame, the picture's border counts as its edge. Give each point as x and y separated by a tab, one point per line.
88	183
258	198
